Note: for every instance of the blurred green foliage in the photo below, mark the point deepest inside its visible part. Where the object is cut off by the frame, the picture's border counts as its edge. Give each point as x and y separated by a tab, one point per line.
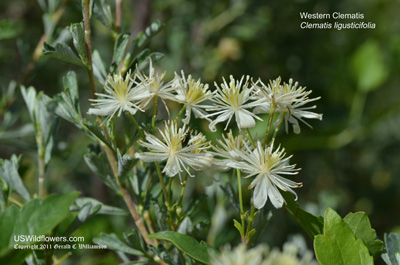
349	161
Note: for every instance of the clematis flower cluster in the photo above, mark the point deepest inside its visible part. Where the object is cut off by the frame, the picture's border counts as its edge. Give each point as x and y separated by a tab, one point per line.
192	93
239	99
288	100
171	147
266	165
234	99
120	96
136	92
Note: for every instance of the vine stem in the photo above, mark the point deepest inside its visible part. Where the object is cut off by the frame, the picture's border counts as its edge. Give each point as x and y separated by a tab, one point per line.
118	15
110	155
88	32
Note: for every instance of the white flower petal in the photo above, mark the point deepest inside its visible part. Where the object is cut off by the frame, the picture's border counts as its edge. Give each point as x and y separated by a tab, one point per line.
275	196
260	194
244	119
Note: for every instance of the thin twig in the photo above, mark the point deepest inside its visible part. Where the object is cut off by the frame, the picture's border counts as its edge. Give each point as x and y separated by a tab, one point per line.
118	15
89	65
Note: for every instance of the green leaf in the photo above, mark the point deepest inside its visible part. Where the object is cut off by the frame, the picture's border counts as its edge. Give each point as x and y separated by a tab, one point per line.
142	60
185	226
164	254
238	227
312	225
3	194
369	67
391	253
338	245
98	165
113	242
78	35
9	172
96	207
97	133
46	123
135	239
7	220
68	101
70	83
42	109
37	217
99	69
125	165
120	47
187	244
102	12
29	96
62	52
360	225
142	39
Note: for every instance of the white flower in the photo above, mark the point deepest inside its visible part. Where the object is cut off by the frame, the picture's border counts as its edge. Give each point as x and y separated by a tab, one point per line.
267	166
231	149
288	100
239	256
192	93
173	149
289	256
121	96
155	85
233	99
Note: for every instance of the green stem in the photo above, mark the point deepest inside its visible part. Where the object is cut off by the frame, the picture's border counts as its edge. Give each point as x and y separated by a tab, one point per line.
182	257
166	197
251	219
250	137
277	127
137	126
41	180
41	162
170	189
239	179
180	113
180	202
162	183
271	118
12	200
